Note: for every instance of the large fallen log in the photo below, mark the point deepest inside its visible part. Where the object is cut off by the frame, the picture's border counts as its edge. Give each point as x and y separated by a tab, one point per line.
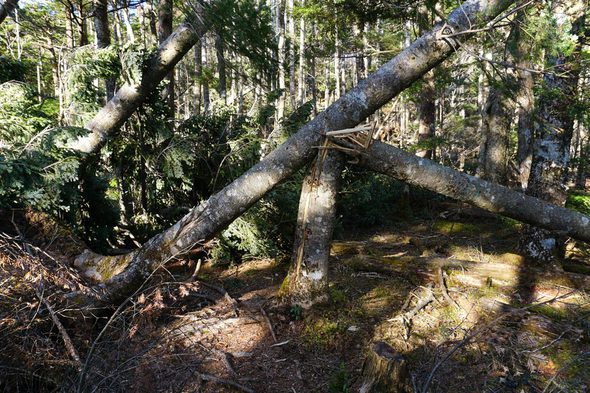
494	198
7	8
121	275
130	96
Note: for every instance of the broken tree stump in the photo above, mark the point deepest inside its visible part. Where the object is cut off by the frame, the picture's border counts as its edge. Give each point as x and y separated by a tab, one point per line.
385	371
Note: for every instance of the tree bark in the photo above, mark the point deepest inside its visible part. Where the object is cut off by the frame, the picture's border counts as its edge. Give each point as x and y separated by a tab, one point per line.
164	31
301	88
103	37
498	112
308	278
198	76
525	101
7	8
127	21
121	275
221	73
129	97
495	133
427	115
551	149
492	197
280	32
385	371
291	31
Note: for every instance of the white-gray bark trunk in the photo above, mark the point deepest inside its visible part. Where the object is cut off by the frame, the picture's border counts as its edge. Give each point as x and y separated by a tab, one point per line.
489	196
129	97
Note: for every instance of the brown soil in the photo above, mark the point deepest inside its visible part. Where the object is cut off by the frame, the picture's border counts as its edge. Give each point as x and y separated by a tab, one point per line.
501	326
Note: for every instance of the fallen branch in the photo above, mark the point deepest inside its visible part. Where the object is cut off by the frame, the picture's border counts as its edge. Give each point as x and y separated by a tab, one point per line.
62	330
409	316
223	381
445	292
467	339
269	323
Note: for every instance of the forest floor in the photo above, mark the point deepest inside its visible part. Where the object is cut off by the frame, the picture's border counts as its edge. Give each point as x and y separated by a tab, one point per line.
449	294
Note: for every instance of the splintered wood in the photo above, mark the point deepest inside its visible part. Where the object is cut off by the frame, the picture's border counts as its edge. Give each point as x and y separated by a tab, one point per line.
355	139
360	135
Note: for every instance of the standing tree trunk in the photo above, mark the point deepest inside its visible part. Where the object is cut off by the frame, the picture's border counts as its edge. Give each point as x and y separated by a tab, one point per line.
127	21
221	73
280	32
291	31
524	98
164	31
103	37
427	116
496	122
553	137
526	106
308	278
301	91
70	26
206	94
83	24
122	274
198	76
497	114
338	87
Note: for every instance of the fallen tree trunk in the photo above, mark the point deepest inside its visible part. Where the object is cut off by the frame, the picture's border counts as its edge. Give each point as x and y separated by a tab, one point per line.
130	96
7	8
492	197
121	275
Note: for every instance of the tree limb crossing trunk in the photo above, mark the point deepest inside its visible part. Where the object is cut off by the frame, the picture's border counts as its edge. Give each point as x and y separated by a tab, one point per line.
492	197
129	97
7	8
121	275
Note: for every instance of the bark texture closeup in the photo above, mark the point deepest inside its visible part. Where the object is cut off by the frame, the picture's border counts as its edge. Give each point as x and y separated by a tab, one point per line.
489	196
130	96
121	275
7	8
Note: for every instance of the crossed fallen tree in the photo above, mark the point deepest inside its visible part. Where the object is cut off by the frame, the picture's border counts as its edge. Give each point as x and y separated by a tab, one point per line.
119	276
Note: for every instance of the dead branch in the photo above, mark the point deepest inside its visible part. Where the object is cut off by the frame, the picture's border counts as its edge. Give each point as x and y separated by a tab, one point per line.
445	292
269	323
468	338
223	381
62	330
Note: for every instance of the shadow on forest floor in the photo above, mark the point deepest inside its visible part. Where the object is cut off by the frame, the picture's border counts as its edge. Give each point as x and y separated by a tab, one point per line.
496	324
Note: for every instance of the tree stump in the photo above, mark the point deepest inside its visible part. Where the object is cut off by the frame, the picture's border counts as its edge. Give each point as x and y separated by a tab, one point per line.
385	371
